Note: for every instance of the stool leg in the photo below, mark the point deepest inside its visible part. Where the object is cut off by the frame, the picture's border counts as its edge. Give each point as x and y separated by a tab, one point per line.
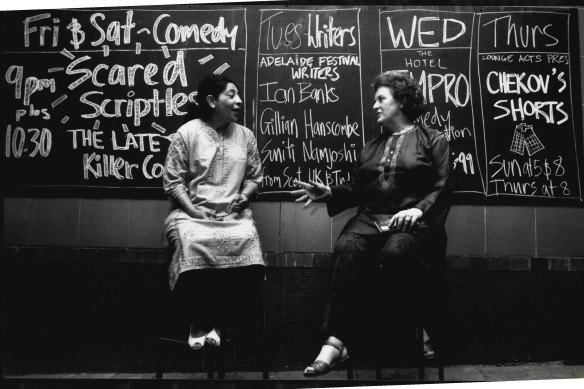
439	358
220	361
421	360
440	370
378	358
438	344
209	358
349	369
262	331
263	354
159	359
264	357
379	326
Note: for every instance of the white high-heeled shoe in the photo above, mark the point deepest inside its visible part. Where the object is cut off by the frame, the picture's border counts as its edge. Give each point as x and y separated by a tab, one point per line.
213	338
196	343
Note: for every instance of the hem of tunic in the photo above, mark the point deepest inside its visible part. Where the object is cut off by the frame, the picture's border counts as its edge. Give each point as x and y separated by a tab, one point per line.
246	261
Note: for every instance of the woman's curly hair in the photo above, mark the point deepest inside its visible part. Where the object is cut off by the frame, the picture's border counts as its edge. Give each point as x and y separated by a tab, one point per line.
404	90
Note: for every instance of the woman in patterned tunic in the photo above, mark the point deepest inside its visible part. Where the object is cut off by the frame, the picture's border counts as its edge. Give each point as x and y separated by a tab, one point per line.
212	170
400	186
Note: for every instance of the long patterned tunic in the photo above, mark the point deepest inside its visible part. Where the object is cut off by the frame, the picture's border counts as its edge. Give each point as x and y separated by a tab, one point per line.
212	168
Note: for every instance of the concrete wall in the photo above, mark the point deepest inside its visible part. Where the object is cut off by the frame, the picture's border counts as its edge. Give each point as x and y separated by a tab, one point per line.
473	230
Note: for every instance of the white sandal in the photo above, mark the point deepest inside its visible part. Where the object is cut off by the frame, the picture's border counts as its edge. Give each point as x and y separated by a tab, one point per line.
196	343
319	367
213	338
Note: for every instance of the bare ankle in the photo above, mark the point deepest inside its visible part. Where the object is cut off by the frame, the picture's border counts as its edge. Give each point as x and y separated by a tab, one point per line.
335	341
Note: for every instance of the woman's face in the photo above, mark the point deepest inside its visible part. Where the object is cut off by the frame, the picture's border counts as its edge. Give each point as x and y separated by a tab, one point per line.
385	105
227	105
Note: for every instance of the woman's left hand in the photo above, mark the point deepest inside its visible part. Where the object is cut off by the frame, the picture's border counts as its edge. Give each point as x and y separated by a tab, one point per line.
406	219
240	203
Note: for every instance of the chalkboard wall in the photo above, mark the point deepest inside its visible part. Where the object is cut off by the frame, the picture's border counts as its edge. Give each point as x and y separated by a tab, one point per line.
92	97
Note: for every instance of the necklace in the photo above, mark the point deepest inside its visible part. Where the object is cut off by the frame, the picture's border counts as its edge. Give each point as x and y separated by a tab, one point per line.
403	130
388	161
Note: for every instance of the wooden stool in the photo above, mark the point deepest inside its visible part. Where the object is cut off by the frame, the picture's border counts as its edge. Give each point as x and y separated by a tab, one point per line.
214	357
437	333
437	354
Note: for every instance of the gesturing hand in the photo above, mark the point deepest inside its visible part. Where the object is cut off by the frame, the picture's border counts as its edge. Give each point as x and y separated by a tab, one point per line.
310	191
404	220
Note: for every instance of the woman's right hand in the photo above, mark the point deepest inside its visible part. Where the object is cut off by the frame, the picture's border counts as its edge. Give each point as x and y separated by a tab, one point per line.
311	191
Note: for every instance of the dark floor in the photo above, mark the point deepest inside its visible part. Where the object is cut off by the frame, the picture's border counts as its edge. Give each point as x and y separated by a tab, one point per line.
454	373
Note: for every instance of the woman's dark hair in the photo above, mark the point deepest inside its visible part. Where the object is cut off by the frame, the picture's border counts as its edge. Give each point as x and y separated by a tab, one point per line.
211	85
404	90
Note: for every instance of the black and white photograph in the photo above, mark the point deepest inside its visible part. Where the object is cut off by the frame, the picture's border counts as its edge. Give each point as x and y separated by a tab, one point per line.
292	194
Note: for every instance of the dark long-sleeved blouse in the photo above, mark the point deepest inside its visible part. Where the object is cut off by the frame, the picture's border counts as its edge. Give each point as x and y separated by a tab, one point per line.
394	173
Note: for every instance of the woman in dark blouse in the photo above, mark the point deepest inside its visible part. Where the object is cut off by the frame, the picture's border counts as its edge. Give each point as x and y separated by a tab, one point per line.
400	188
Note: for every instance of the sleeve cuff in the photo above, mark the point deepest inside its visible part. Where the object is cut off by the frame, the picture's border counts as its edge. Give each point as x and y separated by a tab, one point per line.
249	190
175	192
